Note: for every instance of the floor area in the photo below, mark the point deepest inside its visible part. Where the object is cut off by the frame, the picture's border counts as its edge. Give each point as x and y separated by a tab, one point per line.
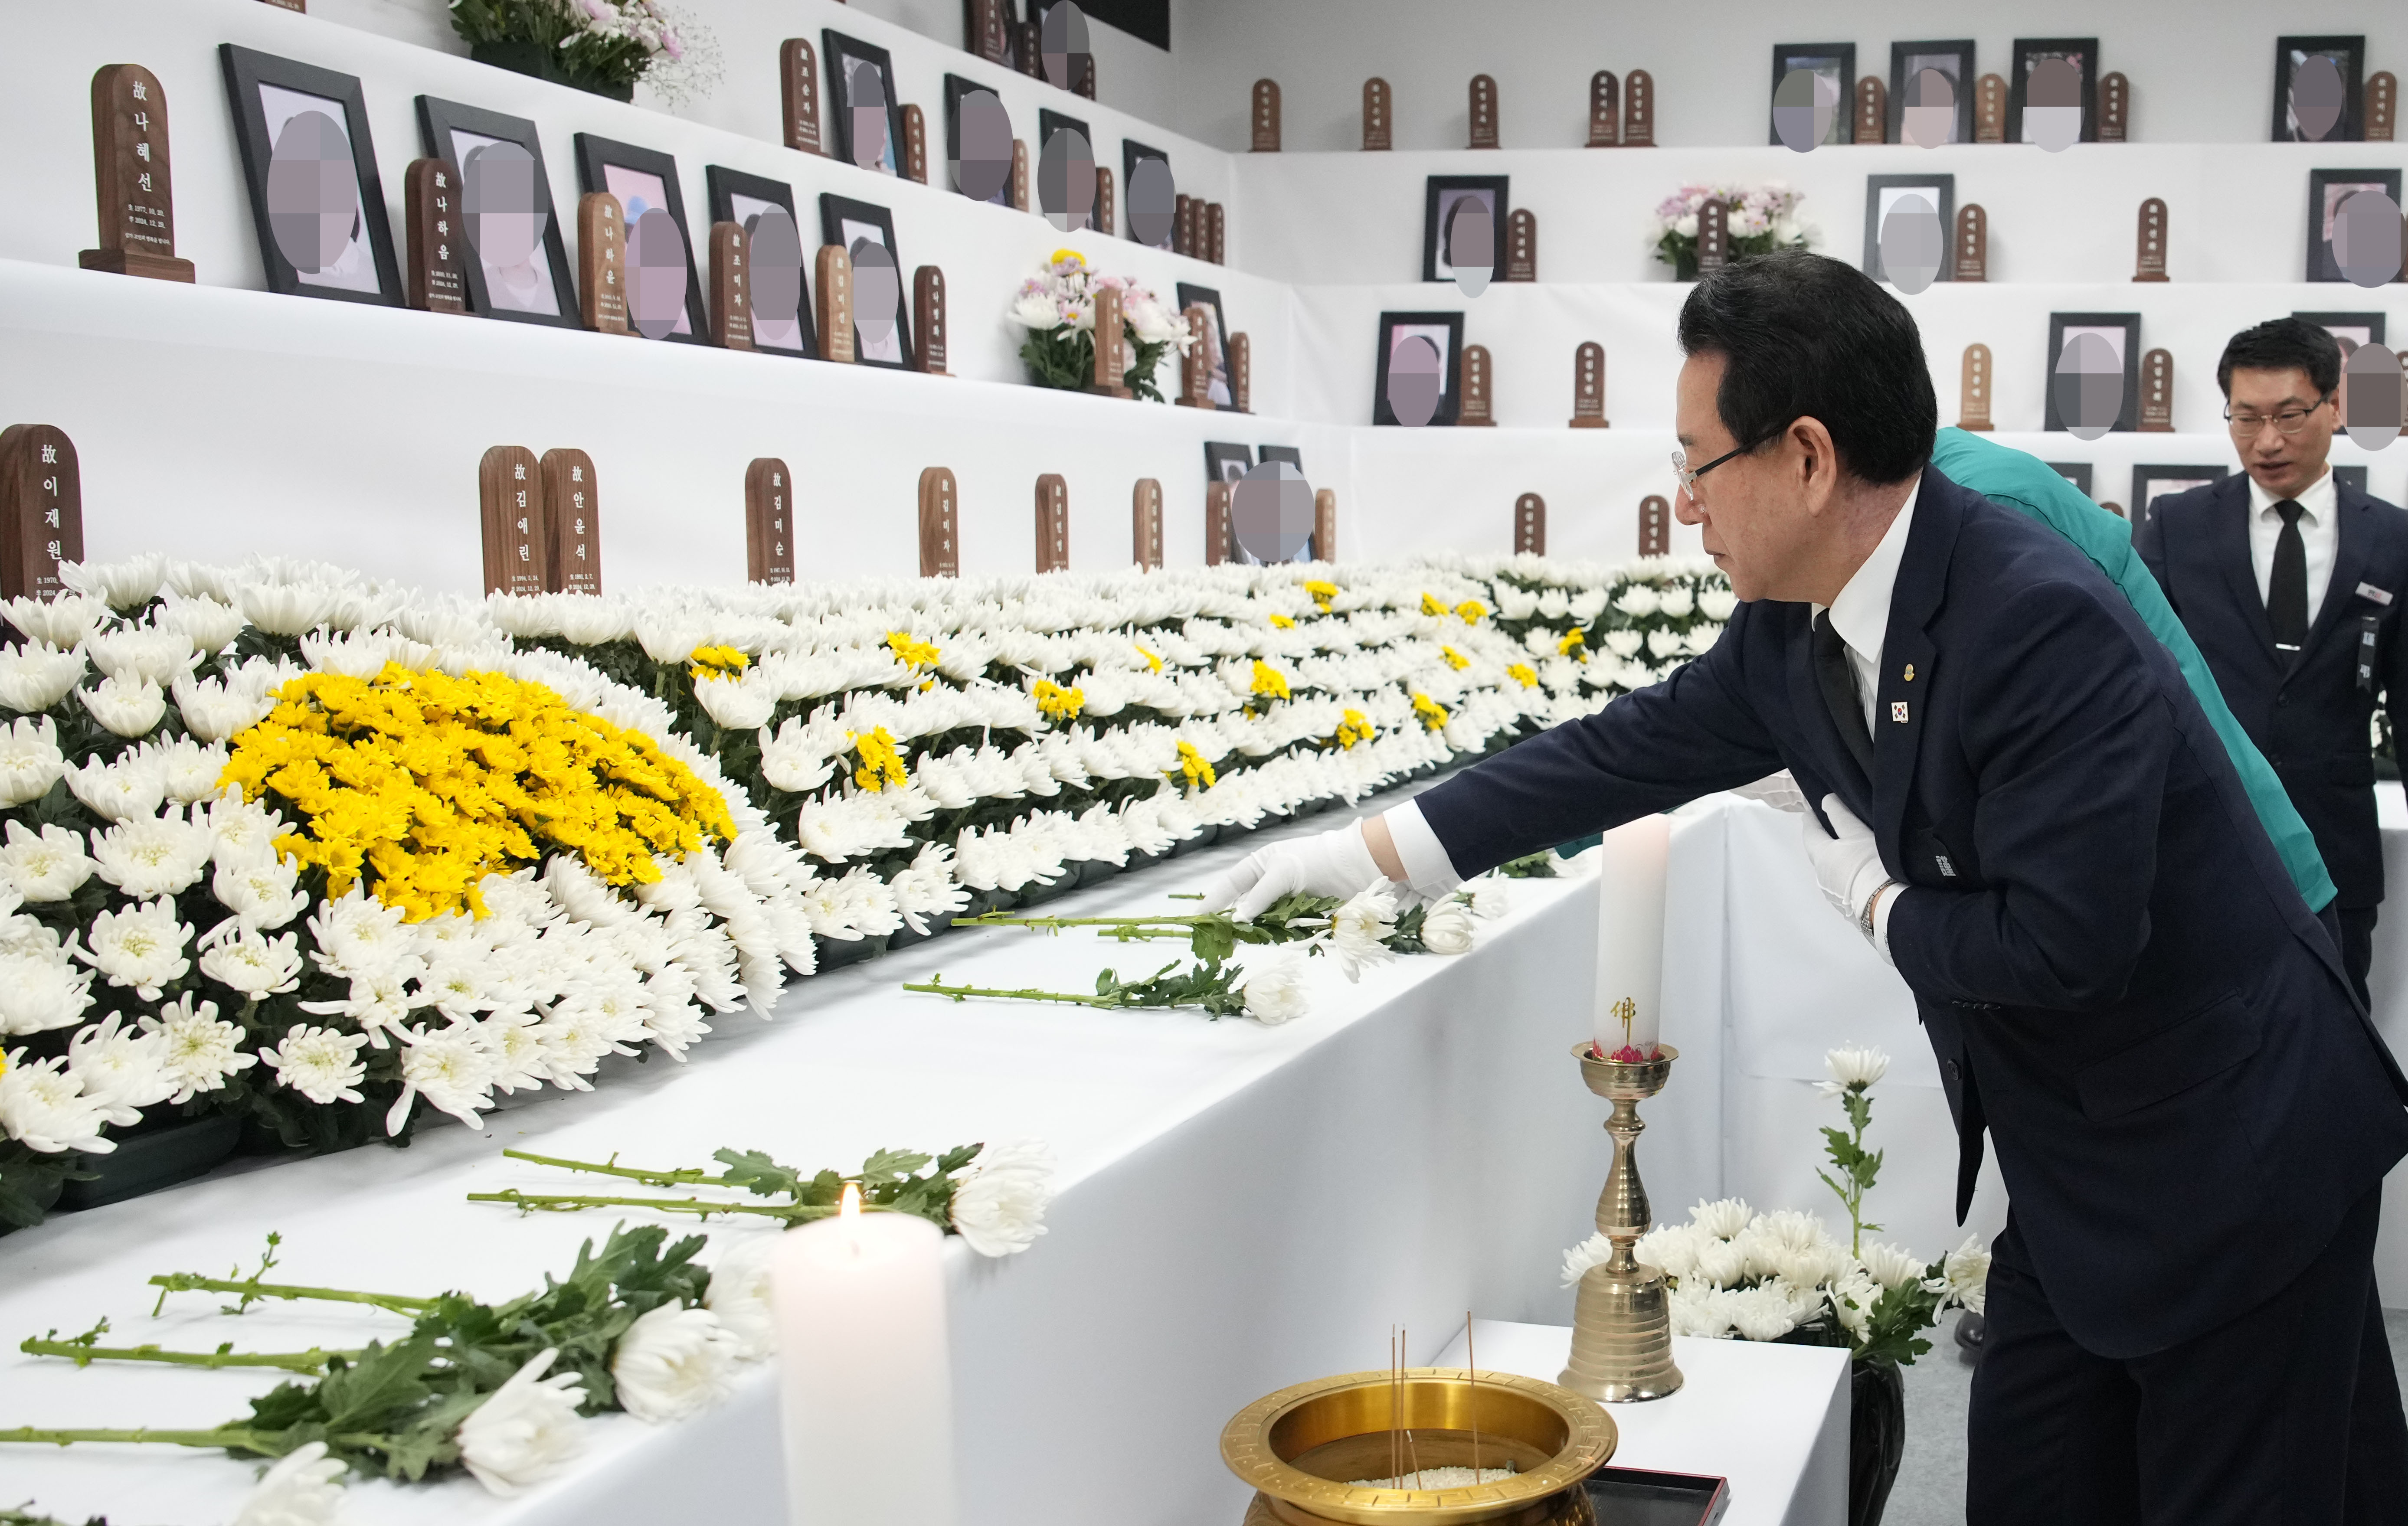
1931	1481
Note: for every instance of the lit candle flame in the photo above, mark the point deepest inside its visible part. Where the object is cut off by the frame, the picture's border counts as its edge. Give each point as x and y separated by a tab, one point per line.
849	1205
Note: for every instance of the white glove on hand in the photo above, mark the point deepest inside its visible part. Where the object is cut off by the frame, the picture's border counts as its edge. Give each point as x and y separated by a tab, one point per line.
1335	862
1847	867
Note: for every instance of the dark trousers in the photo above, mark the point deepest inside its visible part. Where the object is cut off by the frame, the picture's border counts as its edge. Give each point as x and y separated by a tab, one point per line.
2357	945
2289	1414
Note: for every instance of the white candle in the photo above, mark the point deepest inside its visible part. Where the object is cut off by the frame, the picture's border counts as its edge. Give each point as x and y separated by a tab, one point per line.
1630	934
864	1389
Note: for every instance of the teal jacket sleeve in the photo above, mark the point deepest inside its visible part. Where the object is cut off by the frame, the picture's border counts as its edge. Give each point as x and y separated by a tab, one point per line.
2026	482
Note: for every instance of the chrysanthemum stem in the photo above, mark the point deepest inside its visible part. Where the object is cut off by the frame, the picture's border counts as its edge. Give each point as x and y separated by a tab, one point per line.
166	1438
702	1208
311	1360
182	1282
685	1177
957	992
996	918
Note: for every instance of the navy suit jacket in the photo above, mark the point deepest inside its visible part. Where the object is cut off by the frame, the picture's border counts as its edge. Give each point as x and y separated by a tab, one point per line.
2309	715
2117	976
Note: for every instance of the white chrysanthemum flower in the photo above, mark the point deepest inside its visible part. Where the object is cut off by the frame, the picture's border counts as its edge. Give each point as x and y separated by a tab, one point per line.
146	859
1852	1069
450	1069
197	1050
1889	1265
262	889
1720	1263
138	654
43	1108
304	1489
121	1069
1702	1312
288	608
1717	603
126	789
37	676
192	770
673	1362
253	964
62	623
1446	928
215	709
1490	898
1275	986
40	988
357	933
380	1001
209	624
529	1431
30	760
1359	931
138	947
740	1295
1638	601
127	707
241	829
1593	1251
1967	1271
999	1207
1675	601
126	585
48	866
1761	1314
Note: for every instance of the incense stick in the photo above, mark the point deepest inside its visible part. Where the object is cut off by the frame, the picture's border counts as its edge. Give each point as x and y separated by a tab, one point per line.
1471	1369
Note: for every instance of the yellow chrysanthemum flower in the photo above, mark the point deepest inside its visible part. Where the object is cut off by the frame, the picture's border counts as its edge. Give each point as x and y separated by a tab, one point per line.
1322	592
716	662
1058	702
1574	645
1193	767
1269	681
1069	256
1152	663
1522	674
1430	604
1455	658
882	761
1354	727
1433	715
1471	611
911	652
1283	623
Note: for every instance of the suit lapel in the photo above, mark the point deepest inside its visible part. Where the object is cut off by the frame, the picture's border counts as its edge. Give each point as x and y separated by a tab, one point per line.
2350	549
1901	702
2231	553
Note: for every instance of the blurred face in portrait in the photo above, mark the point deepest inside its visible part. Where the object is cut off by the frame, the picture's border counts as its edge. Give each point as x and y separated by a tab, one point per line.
2283	465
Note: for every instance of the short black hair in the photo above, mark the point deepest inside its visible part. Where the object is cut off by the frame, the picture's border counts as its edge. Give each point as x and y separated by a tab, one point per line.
2283	344
1805	336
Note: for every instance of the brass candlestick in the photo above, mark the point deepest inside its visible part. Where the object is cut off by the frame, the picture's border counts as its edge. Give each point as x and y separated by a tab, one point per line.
1622	1324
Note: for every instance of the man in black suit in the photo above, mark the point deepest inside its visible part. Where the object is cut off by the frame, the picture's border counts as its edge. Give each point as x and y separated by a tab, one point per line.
2292	585
2122	985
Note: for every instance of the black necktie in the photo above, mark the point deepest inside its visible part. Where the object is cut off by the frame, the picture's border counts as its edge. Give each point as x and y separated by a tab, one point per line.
1837	682
2286	589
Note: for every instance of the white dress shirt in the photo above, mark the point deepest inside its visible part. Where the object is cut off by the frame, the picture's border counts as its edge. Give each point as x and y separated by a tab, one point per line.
2319	533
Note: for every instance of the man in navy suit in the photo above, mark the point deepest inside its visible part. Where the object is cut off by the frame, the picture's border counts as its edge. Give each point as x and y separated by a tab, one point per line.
2124	988
2292	585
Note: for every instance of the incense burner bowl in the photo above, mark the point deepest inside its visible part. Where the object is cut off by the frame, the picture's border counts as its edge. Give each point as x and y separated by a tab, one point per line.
1299	1448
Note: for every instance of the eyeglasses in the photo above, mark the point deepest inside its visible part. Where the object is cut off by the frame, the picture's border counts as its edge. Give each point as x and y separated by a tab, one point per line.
2289	422
1689	478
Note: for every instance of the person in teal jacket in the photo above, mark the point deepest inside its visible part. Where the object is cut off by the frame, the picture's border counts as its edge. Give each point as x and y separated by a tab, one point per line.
2026	482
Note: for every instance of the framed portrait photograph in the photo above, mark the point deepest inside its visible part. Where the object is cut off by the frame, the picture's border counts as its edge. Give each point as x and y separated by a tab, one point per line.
1831	61
2351	329
2077	473
1216	337
1441	197
2121	333
2031	53
519	269
782	257
861	77
2151	483
1226	463
2327	189
1444	331
1952	59
1882	192
1288	453
646	180
311	171
846	222
956	88
2298	115
1134	153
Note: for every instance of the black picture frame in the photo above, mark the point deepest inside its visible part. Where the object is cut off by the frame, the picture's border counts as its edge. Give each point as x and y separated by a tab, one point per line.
2127	418
836	212
2351	329
1836	58
1953	58
1288	453
1450	398
2327	189
2352	478
2152	482
253	80
1098	11
1049	122
1132	151
1192	295
2083	53
442	126
955	88
1226	463
738	198
2348	54
1943	190
1439	195
839	56
2077	473
596	158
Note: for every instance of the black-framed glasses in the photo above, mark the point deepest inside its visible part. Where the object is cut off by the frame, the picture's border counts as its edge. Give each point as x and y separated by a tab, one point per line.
2287	422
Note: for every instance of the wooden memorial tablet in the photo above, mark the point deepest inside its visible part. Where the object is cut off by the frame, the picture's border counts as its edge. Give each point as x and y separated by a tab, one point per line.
131	176
1654	526
798	85
1216	232
41	510
1111	347
2152	242
1989	109
768	532
1483	112
1521	245
2116	509
1604	110
1713	236
572	508
518	543
731	287
1106	214
989	30
2157	392
1242	374
1873	110
1972	243
1325	524
1027	49
1474	413
1196	362
940	554
430	204
928	318
1266	121
1085	82
1529	525
2114	107
1183	225
832	303
1219	534
915	142
602	262
2382	105
1053	523
1375	115
1588	386
1145	523
1638	109
1019	175
1976	385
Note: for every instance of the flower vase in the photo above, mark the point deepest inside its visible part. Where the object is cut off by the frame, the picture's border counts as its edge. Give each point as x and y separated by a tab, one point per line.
1876	1437
533	58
